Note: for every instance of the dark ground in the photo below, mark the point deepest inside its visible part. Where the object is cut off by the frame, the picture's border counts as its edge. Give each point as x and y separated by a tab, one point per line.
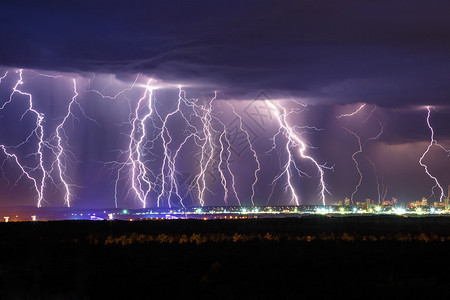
311	257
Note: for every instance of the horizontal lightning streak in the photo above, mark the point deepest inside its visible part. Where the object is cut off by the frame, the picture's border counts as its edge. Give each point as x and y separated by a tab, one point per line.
352	113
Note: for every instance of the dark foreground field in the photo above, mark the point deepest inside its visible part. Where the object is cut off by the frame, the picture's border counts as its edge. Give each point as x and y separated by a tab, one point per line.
311	257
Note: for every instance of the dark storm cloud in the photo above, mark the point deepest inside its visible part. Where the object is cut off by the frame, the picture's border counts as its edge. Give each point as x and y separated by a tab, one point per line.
387	52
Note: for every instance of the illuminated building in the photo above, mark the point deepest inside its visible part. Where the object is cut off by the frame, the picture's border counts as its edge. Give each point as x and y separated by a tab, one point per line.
346	201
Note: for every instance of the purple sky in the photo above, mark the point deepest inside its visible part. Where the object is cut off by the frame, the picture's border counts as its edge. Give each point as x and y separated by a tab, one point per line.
332	56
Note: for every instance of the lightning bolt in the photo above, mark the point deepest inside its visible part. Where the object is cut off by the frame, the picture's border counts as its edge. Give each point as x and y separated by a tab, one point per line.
168	159
167	139
22	168
443	148
352	113
38	132
226	162
139	175
385	192
255	156
204	138
42	172
140	182
233	180
295	141
360	150
207	149
432	141
223	179
114	97
134	165
379	184
173	172
376	137
60	133
4	76
211	142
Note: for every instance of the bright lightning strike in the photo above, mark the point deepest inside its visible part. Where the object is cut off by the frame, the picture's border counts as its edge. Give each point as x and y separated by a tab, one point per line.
48	150
294	141
60	133
4	76
359	151
207	150
255	156
356	162
432	141
352	113
169	161
38	132
140	181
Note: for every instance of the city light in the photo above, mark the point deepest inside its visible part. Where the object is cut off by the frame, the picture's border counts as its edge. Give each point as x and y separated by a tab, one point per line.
417	208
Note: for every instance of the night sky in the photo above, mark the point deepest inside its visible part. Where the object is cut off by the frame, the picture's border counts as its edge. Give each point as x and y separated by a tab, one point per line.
320	60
